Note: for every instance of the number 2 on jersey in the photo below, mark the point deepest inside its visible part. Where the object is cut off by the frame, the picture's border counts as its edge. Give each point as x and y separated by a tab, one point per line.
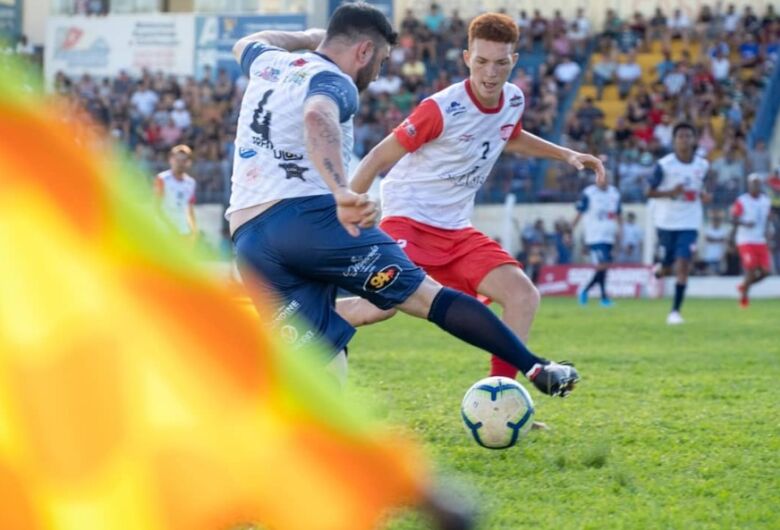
486	145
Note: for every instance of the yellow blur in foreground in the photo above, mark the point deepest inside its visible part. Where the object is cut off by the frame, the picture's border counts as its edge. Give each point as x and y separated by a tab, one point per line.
134	393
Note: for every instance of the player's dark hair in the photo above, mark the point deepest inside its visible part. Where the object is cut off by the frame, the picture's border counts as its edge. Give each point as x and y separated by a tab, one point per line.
683	125
353	20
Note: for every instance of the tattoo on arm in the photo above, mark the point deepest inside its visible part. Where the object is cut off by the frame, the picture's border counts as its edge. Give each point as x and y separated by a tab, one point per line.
327	132
332	170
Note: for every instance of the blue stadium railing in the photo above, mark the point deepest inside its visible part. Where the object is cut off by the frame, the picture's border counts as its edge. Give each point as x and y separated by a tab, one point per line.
768	109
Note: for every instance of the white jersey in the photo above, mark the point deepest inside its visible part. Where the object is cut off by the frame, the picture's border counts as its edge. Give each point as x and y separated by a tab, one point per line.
600	209
752	210
177	196
453	143
685	211
270	160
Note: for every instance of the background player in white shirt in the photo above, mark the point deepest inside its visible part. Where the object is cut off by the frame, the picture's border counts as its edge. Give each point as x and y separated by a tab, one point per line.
175	191
750	214
440	156
600	206
299	228
677	186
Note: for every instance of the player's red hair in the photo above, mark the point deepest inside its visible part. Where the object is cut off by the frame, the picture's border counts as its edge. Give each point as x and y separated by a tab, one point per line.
494	27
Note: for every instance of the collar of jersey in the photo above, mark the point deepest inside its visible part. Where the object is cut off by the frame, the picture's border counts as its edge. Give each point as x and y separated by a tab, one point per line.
482	108
324	57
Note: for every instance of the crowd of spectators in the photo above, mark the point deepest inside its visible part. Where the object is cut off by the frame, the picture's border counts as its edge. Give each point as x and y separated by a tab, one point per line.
718	88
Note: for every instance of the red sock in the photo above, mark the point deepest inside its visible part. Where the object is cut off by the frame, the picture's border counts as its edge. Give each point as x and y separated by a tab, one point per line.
498	366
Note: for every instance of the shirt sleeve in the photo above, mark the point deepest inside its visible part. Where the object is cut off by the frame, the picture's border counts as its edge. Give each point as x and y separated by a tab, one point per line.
737	209
338	88
252	52
582	204
657	177
517	130
423	125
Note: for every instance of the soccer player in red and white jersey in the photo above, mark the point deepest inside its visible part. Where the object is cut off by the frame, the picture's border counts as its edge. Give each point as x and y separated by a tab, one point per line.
440	156
175	191
750	214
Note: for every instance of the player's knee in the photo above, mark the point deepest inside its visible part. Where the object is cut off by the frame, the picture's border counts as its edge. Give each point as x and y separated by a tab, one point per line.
522	292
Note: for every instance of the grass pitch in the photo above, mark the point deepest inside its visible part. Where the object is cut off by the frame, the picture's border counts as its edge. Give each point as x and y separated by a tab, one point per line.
671	427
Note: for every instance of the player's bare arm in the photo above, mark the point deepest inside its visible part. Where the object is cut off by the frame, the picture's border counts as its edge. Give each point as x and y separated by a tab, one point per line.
530	145
322	135
288	40
381	158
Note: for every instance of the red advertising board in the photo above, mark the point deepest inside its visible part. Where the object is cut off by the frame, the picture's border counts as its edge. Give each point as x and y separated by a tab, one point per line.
623	281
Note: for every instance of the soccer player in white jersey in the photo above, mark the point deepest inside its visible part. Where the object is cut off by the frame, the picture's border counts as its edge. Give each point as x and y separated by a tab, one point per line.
175	191
440	156
750	214
297	225
678	188
599	206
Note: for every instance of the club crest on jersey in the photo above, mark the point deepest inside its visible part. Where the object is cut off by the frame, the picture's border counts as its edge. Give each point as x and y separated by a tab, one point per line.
409	128
455	108
516	101
269	74
382	279
299	62
506	131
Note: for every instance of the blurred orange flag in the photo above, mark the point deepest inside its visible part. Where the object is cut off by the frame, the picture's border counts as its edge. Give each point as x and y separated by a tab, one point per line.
134	393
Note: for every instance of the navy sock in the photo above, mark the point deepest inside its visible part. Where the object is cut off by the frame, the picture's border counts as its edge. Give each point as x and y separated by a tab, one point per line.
602	280
473	322
679	295
593	281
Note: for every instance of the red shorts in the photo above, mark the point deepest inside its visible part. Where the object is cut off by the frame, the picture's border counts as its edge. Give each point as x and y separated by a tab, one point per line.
754	256
459	259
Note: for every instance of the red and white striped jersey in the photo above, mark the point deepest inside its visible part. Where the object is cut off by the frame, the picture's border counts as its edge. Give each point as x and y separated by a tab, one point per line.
453	143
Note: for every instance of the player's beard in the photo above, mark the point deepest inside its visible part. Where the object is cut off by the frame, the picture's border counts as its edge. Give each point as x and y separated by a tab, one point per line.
365	75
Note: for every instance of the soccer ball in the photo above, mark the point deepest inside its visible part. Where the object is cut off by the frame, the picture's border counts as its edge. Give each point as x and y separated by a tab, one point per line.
497	412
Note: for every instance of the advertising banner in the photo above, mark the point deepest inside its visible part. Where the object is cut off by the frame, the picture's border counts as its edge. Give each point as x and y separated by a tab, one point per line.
10	20
386	6
623	281
101	46
216	35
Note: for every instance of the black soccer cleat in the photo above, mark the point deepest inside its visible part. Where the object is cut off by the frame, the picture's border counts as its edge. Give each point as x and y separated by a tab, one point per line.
554	379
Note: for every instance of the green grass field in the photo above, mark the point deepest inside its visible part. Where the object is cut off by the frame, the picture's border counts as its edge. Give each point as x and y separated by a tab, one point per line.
671	427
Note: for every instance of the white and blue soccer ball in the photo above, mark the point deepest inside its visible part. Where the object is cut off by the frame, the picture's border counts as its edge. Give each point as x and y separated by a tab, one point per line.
497	412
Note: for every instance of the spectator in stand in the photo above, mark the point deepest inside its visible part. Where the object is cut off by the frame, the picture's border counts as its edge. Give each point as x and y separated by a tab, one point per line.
434	20
631	241
720	66
758	159
579	32
588	113
566	73
731	21
749	52
604	72
750	22
539	26
728	172
707	24
639	27
657	25
612	24
410	23
627	39
413	72
525	41
676	80
663	133
628	73
716	238
680	26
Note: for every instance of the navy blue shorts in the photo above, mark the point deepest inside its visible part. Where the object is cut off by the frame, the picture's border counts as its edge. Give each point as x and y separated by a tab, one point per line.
299	248
600	253
676	244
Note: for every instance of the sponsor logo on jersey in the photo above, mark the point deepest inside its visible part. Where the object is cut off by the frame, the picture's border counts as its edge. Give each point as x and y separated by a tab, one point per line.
363	263
245	152
261	121
455	108
293	171
506	131
269	74
289	334
382	279
466	137
516	101
296	78
468	179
